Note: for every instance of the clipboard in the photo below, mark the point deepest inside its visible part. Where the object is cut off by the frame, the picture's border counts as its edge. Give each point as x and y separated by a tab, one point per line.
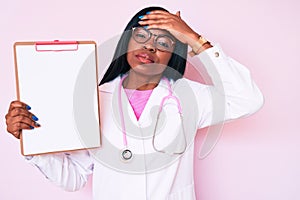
59	80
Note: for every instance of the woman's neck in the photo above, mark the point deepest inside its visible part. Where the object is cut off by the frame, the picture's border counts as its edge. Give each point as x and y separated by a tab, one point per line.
141	82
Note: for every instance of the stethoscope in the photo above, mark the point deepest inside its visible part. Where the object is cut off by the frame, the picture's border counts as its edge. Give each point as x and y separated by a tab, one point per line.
126	153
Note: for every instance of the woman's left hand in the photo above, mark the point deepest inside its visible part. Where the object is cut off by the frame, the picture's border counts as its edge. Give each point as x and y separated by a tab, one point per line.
171	22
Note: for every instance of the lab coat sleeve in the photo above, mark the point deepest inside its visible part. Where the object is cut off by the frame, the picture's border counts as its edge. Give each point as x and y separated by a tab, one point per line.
68	170
233	93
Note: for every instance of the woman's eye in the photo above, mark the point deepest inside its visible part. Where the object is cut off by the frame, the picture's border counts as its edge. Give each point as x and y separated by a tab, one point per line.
164	44
140	35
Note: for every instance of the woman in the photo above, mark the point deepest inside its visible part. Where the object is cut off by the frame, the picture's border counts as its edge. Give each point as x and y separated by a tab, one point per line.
149	113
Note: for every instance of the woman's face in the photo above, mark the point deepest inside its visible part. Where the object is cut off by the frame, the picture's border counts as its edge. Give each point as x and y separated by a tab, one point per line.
146	58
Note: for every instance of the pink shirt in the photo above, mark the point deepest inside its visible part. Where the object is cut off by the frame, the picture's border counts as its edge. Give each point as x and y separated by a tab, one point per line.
138	100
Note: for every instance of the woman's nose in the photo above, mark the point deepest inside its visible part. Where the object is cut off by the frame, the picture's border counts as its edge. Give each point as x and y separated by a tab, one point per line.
150	47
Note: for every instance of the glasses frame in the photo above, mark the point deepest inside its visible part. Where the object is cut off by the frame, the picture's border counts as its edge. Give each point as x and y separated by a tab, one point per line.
155	38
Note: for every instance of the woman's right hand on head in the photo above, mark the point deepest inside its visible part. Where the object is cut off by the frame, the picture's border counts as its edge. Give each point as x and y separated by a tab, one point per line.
19	118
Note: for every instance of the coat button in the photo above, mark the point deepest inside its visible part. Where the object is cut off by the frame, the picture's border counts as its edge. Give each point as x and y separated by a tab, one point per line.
217	54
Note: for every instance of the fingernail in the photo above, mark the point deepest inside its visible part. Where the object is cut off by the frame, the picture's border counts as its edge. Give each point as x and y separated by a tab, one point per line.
28	107
37	124
147	13
34	118
31	127
140	17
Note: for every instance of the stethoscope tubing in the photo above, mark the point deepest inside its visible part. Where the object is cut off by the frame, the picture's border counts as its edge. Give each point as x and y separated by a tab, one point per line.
162	103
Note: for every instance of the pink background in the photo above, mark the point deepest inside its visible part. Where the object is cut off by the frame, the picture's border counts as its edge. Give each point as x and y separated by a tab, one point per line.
256	158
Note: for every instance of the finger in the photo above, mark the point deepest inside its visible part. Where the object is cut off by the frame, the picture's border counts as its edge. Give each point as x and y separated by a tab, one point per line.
159	24
18	126
22	119
20	115
157	11
21	111
159	16
160	12
156	21
18	104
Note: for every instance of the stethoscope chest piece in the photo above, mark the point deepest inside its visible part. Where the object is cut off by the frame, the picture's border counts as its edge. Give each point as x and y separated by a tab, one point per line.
126	155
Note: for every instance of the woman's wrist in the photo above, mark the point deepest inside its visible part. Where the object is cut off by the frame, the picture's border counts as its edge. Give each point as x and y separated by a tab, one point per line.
198	44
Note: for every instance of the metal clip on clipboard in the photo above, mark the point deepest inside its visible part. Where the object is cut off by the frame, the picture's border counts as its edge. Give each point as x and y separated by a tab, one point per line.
56	45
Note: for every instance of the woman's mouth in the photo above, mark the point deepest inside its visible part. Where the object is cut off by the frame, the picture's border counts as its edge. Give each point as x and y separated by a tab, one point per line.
144	58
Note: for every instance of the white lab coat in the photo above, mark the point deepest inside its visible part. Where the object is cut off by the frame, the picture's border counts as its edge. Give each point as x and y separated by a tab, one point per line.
151	174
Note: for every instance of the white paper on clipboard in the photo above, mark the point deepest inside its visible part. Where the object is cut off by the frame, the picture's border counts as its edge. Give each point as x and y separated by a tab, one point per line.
59	81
